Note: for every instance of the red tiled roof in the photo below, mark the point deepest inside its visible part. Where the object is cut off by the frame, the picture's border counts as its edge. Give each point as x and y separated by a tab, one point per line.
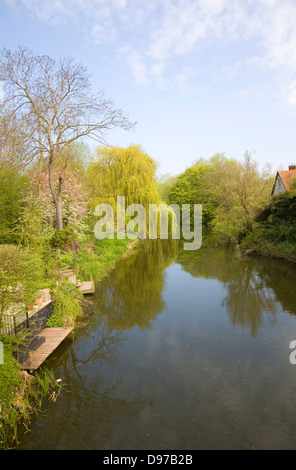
287	176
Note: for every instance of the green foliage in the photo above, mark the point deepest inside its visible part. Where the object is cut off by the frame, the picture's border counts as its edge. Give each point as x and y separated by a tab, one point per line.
66	307
21	394
283	207
231	194
164	184
35	222
10	407
201	184
46	385
188	189
9	378
63	238
275	232
21	272
119	171
97	257
12	189
245	192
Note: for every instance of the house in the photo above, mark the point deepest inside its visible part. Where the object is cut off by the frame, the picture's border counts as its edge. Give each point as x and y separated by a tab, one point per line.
283	180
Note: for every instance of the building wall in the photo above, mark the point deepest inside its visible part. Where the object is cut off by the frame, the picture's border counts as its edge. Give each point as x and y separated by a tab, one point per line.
279	186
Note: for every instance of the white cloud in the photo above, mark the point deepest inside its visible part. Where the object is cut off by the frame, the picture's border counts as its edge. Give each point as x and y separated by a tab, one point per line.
157	73
278	33
136	63
182	77
55	11
173	29
101	34
120	4
62	11
292	93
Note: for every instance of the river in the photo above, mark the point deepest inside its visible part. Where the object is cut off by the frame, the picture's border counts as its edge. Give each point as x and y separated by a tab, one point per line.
180	350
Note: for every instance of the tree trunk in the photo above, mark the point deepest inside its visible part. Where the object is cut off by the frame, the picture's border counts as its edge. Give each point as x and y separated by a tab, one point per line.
55	194
59	218
40	162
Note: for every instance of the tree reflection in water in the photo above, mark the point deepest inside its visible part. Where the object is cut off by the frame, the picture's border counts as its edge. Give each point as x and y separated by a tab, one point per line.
132	296
254	285
90	402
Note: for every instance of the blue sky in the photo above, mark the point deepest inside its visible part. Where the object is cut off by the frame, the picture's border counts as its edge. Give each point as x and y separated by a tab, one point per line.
199	76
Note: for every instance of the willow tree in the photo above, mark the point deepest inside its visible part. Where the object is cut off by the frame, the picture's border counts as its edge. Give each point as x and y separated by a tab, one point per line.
54	101
120	171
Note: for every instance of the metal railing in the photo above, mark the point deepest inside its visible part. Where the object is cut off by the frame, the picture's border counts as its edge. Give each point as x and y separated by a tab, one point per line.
65	253
10	322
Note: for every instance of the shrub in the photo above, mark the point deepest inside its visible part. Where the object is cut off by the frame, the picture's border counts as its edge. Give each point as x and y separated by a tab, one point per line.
66	306
12	190
21	395
21	271
62	238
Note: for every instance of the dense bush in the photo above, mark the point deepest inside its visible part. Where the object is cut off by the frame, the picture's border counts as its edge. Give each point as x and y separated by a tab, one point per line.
21	272
63	238
66	306
12	189
275	232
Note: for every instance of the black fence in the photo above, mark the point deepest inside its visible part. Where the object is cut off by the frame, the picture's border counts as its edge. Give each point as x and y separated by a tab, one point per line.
9	323
58	252
26	326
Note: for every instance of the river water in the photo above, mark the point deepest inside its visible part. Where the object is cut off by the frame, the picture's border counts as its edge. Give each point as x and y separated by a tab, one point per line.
181	350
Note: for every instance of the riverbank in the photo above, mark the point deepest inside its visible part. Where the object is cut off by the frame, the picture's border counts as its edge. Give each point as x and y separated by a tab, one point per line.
273	233
22	394
97	257
266	248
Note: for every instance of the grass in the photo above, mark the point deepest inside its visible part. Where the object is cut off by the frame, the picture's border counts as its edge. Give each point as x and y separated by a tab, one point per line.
97	257
21	395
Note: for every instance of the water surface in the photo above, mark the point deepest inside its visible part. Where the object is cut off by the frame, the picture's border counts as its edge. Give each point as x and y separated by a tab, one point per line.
181	350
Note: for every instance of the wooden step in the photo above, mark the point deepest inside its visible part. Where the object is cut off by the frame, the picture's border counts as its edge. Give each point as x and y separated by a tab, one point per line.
50	339
70	275
86	287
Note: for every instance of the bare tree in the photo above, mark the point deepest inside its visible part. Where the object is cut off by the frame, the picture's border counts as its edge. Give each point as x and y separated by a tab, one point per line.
15	141
55	101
